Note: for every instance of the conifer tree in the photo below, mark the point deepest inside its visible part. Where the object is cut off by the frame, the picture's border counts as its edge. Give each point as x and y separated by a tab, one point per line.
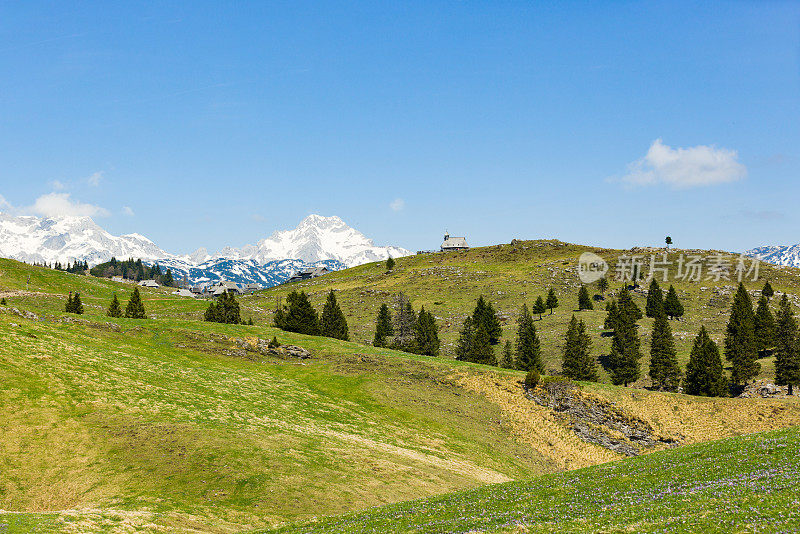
602	285
77	305
167	279
114	309
538	307
577	361
426	334
528	352
482	350
584	301
465	342
68	307
135	307
405	319
507	360
705	375
333	320
764	326
740	342
383	326
389	263
611	315
552	301
299	315
655	300
787	347
767	290
484	314
664	370
625	343
672	305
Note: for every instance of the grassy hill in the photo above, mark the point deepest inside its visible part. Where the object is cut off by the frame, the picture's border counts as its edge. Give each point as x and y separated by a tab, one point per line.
448	284
745	484
171	423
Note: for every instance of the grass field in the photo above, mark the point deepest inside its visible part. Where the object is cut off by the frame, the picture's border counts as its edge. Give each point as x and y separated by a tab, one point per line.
168	424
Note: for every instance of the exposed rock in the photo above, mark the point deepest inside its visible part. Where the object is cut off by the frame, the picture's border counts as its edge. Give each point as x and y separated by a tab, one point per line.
762	388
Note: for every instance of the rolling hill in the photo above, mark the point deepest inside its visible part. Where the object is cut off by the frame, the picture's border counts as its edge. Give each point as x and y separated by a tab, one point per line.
174	424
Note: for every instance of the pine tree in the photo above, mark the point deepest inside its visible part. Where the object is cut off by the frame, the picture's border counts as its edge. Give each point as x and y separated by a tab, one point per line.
77	305
705	375
577	361
507	360
389	263
333	321
655	300
484	314
135	307
465	342
787	347
426	334
230	311
114	309
764	326
740	342
482	350
767	291
383	326
538	307
299	315
664	370
672	305
625	343
552	301
584	301
405	319
68	307
528	352
602	285
167	279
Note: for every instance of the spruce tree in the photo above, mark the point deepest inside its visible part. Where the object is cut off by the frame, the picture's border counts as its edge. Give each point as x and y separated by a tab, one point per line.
300	316
552	301
507	360
426	334
482	350
484	314
528	352
405	319
383	326
602	285
68	307
167	279
627	307
655	300
787	347
584	301
577	361
465	342
135	307
625	343
764	327
705	375
538	307
740	342
664	370
672	305
229	309
767	290
389	263
77	305
114	309
333	322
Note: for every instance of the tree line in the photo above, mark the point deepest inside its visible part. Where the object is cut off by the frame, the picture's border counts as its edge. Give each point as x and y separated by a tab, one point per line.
131	269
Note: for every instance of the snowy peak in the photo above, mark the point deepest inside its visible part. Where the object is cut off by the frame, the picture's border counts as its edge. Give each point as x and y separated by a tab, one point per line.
777	254
318	238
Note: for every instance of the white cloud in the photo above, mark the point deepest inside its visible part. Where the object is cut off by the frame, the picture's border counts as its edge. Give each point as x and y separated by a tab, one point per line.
94	179
682	168
397	204
58	185
60	205
127	210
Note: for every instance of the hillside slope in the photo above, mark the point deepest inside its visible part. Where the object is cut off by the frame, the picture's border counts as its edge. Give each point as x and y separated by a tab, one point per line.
448	284
746	484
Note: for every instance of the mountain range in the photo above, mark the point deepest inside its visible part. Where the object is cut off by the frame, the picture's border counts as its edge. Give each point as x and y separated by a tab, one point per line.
788	255
316	240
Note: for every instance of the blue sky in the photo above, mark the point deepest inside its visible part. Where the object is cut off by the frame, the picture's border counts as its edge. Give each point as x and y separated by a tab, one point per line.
212	124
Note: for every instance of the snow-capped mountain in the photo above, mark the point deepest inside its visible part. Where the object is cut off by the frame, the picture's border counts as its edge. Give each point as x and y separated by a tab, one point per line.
316	240
66	239
777	254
